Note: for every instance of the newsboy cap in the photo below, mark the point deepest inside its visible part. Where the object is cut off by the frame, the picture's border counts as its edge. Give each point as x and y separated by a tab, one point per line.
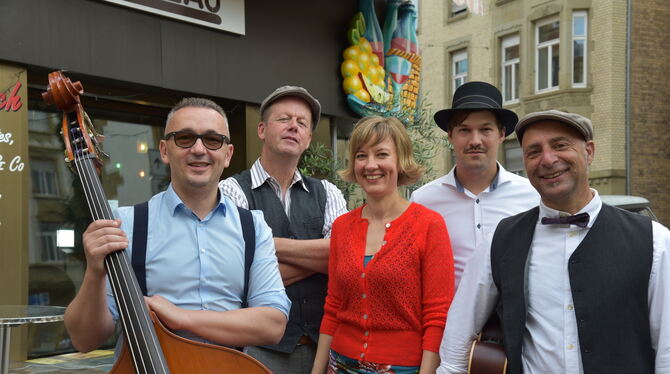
296	91
574	120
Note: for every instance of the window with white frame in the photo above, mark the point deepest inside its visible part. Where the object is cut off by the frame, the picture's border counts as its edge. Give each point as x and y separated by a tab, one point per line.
43	175
510	69
457	7
579	44
459	68
514	157
547	38
50	252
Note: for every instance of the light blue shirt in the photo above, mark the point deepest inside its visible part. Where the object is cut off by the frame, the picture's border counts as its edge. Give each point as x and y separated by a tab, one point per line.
199	264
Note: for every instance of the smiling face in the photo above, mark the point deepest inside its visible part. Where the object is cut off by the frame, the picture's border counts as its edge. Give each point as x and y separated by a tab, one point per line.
557	158
476	140
376	168
286	129
197	167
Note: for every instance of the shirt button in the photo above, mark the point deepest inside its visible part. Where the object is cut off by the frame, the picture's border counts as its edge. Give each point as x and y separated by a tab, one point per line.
203	250
364	296
204	306
362	355
384	242
365	345
570	346
365	316
367	333
362	275
477	201
388	224
479	226
570	307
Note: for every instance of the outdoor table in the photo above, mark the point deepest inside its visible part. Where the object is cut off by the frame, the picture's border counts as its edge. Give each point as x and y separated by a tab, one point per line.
17	315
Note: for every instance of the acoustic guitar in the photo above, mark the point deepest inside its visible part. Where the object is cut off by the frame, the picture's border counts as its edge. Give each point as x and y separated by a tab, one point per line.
149	347
487	354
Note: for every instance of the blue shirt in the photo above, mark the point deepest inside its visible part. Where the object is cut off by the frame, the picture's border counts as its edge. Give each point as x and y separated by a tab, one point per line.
199	264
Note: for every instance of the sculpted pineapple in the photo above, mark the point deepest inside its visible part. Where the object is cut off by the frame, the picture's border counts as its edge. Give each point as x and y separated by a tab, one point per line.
362	73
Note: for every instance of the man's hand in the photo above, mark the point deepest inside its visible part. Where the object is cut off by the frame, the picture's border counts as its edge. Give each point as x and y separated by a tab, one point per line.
100	239
172	316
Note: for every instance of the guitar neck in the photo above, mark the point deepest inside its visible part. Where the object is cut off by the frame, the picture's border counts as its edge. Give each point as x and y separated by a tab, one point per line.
137	325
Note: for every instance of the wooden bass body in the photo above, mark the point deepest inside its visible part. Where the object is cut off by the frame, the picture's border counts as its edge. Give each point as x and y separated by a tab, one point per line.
185	356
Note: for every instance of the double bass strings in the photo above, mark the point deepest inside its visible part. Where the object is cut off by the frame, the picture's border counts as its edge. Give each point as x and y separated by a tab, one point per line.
86	172
118	269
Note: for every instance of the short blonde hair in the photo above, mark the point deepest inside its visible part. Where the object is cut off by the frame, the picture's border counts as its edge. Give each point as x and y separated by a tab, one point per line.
375	130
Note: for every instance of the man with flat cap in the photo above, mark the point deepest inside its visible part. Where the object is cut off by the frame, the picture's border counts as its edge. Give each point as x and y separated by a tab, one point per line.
580	286
478	192
300	211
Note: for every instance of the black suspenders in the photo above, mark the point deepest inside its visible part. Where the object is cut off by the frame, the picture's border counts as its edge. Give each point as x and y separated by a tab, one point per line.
141	224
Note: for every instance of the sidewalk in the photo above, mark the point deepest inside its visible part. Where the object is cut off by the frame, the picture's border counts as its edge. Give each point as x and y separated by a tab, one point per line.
94	362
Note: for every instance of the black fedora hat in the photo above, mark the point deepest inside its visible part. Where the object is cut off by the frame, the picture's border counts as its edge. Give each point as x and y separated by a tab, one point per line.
477	95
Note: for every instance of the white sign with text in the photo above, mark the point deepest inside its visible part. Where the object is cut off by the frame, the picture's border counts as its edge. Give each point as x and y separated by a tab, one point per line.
225	15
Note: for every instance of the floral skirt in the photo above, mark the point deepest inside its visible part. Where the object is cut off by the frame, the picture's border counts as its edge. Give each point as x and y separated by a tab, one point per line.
339	364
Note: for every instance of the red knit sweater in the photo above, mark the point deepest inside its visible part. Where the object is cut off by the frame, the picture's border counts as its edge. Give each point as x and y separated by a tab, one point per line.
395	307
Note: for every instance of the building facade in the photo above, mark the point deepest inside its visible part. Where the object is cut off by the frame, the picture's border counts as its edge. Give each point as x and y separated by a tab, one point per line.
599	58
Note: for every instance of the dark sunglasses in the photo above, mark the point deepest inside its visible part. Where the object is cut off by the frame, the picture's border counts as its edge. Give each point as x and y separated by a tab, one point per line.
186	139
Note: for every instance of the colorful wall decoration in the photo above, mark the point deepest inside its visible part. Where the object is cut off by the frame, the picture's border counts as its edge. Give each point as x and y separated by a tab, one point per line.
381	69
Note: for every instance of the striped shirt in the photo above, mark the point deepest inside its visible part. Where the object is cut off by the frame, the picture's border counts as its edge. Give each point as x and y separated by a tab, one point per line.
335	203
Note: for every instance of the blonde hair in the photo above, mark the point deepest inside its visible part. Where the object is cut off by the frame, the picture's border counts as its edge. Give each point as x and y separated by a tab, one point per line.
375	130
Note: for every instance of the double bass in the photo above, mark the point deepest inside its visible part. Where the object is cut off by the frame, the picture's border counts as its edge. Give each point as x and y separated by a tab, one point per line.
149	347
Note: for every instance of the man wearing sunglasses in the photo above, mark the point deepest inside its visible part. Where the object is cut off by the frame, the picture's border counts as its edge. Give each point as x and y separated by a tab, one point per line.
300	210
195	251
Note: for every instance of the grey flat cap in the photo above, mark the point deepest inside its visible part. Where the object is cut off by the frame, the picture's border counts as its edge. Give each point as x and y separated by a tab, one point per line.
578	122
296	91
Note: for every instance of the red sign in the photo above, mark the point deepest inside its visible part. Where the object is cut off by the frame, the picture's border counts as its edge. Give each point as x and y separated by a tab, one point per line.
13	103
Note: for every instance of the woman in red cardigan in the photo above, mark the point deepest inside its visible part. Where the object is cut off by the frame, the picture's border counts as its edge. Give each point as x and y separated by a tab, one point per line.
391	270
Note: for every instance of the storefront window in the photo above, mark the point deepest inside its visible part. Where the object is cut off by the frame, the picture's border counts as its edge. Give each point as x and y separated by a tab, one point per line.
59	213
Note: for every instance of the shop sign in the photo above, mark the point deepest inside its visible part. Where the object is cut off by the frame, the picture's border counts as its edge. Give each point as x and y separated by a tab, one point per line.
10	104
225	15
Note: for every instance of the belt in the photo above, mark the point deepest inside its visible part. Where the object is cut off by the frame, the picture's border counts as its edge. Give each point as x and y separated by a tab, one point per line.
305	340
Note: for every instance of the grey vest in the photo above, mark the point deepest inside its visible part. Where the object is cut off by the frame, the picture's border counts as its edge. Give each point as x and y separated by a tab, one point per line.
306	222
609	277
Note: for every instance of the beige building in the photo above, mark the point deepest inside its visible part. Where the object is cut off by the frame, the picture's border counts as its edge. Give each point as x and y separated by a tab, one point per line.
603	59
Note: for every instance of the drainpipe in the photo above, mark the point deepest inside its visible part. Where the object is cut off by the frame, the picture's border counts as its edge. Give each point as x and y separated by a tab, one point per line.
629	19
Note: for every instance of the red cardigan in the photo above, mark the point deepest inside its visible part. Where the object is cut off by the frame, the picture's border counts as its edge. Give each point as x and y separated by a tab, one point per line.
395	307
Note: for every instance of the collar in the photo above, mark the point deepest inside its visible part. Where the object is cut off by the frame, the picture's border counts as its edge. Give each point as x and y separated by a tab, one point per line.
501	177
172	201
592	208
259	175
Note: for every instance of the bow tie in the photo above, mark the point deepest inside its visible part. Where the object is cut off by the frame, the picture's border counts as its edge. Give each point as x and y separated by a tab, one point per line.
581	220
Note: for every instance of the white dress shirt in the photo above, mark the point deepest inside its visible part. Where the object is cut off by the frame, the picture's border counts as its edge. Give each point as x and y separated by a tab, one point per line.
472	219
550	338
335	203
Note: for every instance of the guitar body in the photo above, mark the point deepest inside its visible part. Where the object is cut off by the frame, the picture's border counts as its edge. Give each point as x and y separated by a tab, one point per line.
487	355
185	356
